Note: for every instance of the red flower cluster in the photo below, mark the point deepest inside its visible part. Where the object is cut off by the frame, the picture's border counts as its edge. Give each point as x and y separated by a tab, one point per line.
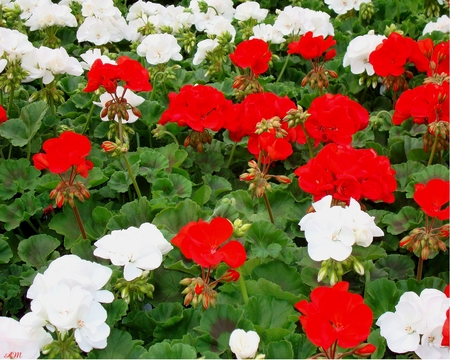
425	104
200	107
130	71
206	243
432	196
438	56
3	115
334	118
311	47
252	110
335	315
270	147
69	149
345	172
391	56
253	54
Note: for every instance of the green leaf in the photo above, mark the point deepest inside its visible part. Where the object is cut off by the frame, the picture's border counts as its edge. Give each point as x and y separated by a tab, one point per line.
134	213
20	210
182	186
404	171
5	251
151	112
280	350
381	295
175	155
174	218
120	346
379	341
218	185
36	250
120	181
165	350
266	240
407	218
436	171
82	100
398	266
372	252
202	195
209	162
116	311
302	347
167	286
266	287
17	176
20	131
178	327
152	162
430	282
270	313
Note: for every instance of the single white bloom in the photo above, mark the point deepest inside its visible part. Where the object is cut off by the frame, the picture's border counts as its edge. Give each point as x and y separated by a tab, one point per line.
94	31
244	344
318	22
250	10
435	305
358	51
203	48
340	6
14	44
159	48
16	341
363	224
430	345
267	33
132	99
220	25
136	249
442	24
90	56
287	22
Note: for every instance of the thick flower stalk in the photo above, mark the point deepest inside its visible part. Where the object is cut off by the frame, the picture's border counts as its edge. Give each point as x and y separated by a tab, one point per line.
208	245
335	317
67	152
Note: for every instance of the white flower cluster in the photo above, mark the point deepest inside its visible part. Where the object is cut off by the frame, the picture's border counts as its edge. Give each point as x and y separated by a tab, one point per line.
49	14
13	46
343	6
331	231
67	296
244	344
136	249
442	24
358	51
416	325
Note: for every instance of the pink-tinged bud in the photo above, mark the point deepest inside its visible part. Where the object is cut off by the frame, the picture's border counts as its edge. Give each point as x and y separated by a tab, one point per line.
332	74
188	298
305	81
405	241
230	275
283	179
186	281
425	253
104	112
136	112
109	146
365	350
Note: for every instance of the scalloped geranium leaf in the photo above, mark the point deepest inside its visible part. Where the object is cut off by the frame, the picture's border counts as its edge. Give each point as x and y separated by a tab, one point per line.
152	163
269	313
5	251
20	210
36	250
406	219
398	266
381	295
151	112
163	188
219	323
282	274
165	311
182	186
202	195
301	346
404	171
120	345
116	311
436	171
266	240
242	201
164	350
95	177
174	218
279	350
139	322
266	287
120	181
167	286
20	131
218	185
372	252
429	282
171	329
134	213
380	343
17	176
209	162
174	154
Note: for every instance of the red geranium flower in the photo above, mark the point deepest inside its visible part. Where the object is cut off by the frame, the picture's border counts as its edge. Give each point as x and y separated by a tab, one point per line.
253	54
432	197
335	315
136	77
438	56
200	107
3	115
311	47
270	147
206	243
69	149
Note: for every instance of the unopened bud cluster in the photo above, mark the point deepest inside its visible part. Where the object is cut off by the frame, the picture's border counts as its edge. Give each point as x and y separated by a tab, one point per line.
431	8
319	77
12	76
426	244
65	344
438	132
114	149
333	269
245	85
239	228
135	290
196	139
296	117
367	10
273	124
199	292
66	192
368	81
119	109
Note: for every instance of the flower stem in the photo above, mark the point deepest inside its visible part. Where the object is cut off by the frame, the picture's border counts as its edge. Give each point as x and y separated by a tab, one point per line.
419	269
133	179
172	136
284	67
10	102
433	149
88	120
269	209
308	142
79	222
231	155
243	288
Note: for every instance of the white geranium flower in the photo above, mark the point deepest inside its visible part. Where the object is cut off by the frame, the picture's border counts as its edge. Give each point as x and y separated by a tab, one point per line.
435	304
132	99
159	49
244	344
430	345
267	33
49	15
16	341
363	225
90	56
203	48
98	8
220	25
250	10
14	44
3	63
328	231
442	24
28	6
136	249
358	51
288	22
340	6
94	31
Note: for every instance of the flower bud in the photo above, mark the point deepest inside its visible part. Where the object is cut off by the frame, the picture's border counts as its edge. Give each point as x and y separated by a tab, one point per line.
365	350
230	275
358	267
323	273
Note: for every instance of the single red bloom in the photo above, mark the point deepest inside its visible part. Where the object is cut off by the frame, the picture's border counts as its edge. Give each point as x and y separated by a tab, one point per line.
311	47
69	149
207	245
105	75
3	115
253	54
200	107
270	147
334	314
432	197
136	77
